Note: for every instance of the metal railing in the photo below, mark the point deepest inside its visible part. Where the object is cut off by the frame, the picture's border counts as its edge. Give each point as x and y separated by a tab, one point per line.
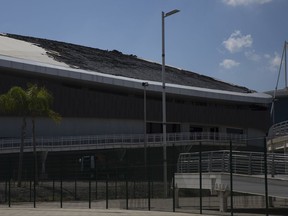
117	141
279	129
248	163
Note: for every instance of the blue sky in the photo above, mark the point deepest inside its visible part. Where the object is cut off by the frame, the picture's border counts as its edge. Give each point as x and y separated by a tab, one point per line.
237	41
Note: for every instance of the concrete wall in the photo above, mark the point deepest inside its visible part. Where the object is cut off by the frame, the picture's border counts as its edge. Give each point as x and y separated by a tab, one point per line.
256	137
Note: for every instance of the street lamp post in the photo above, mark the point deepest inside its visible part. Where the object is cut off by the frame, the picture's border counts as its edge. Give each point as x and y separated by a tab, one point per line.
164	15
145	84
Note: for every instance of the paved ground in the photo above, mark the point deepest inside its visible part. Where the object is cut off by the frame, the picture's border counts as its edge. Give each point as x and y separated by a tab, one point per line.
137	207
15	211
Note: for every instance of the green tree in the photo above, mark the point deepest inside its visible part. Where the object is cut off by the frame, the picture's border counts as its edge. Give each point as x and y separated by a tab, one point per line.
40	101
32	102
15	102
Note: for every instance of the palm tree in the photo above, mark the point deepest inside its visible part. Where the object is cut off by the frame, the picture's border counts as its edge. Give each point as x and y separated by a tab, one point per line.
39	104
15	102
31	102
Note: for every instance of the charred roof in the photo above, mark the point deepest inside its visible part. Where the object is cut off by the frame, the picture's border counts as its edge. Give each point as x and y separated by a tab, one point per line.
119	64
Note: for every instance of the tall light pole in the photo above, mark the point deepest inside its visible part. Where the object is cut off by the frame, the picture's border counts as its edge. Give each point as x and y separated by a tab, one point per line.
164	15
145	84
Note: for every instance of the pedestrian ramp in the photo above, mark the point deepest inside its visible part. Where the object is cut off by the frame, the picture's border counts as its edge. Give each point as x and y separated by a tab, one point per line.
220	182
246	172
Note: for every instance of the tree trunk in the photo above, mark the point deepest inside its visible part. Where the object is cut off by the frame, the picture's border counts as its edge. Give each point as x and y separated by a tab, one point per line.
35	153
20	166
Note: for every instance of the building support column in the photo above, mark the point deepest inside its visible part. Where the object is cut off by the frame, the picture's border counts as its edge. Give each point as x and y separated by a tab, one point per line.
176	197
44	155
223	198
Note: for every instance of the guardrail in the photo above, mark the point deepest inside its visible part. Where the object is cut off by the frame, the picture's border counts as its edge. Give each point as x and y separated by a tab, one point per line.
278	137
279	129
117	141
248	163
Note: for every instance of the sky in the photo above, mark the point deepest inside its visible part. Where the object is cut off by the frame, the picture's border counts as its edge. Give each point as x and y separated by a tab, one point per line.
236	41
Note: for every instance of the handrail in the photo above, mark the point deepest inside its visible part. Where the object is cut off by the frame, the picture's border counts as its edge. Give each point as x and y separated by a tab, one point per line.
110	141
248	163
279	129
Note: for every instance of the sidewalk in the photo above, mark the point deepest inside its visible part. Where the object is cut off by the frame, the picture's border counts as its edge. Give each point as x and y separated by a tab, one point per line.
15	211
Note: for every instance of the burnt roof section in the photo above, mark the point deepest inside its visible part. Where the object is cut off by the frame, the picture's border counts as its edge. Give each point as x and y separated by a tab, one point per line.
119	64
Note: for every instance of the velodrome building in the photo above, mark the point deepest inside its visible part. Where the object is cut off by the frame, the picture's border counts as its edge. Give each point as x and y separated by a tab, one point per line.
100	95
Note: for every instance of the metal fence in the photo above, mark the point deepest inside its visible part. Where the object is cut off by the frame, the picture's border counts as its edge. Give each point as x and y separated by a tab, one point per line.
9	145
279	129
122	178
243	162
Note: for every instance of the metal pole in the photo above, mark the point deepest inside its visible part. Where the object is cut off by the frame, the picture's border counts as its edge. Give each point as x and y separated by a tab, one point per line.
164	101
9	193
75	189
53	190
231	178
272	112
164	108
200	175
61	192
266	176
173	184
96	189
6	190
145	84
107	192
149	181
90	192
127	193
34	190
116	187
285	64
30	190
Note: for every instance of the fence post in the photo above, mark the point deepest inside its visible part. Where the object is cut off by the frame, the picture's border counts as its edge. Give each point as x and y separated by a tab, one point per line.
34	191
30	190
53	190
90	192
174	168
9	193
96	188
61	192
231	178
126	192
266	176
152	189
75	189
5	193
107	191
200	175
149	195
149	181
173	180
116	181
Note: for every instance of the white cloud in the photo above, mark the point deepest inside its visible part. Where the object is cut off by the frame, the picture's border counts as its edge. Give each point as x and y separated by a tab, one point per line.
273	61
236	42
235	3
229	63
252	55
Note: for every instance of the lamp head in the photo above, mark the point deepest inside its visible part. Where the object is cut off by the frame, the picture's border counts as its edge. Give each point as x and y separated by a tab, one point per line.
171	12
